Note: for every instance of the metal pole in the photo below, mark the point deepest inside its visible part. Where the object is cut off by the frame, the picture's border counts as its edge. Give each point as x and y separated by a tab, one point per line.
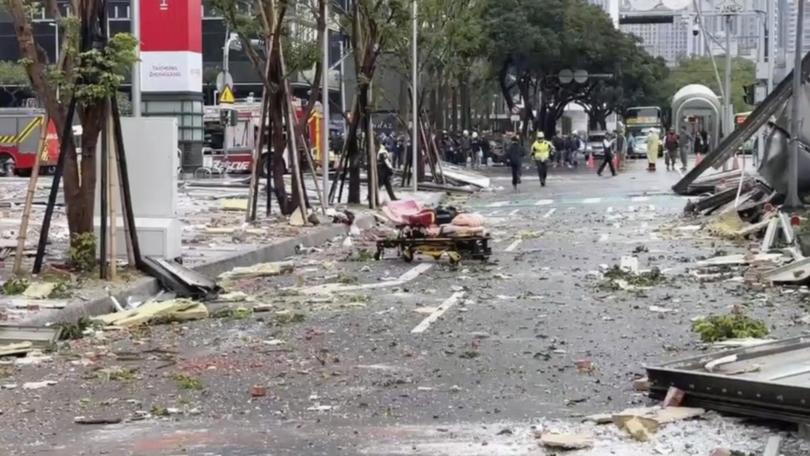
727	87
771	45
325	102
135	25
727	83
792	200
343	87
56	43
226	57
414	96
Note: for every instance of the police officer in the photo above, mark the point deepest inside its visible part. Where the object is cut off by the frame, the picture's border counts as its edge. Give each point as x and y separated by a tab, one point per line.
541	153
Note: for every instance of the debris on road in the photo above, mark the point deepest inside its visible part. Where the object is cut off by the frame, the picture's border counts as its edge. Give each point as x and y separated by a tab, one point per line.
565	441
95	421
259	270
717	328
172	310
753	381
674	397
39	290
38	336
38	385
16	349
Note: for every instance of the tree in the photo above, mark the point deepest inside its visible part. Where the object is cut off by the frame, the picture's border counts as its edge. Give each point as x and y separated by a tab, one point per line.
268	22
531	41
373	27
92	73
14	79
636	81
699	70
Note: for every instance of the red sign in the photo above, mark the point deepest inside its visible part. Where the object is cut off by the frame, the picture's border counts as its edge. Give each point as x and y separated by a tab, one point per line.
171	25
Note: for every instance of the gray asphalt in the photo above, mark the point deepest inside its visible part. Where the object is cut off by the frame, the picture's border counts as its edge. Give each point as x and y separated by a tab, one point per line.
354	378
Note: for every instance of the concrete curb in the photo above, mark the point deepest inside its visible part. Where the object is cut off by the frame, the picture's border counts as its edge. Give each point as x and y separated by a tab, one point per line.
149	286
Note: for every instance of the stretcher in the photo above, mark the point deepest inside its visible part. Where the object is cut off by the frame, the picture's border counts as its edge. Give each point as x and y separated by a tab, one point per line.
410	242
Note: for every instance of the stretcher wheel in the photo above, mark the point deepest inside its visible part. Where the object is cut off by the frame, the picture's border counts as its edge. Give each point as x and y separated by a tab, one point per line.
408	254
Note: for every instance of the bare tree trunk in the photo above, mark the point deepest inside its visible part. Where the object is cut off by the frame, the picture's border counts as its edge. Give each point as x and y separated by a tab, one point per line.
442	100
454	108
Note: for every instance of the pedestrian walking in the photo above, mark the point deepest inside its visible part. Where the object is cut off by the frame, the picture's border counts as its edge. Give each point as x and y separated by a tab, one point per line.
385	171
653	144
685	141
541	153
671	149
515	160
607	159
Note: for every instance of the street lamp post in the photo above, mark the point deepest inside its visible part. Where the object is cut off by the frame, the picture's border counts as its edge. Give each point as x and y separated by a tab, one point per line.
792	200
135	25
325	103
415	107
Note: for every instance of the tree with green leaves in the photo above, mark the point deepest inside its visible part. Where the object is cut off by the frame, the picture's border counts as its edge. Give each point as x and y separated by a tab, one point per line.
14	79
532	41
450	40
699	70
636	81
92	76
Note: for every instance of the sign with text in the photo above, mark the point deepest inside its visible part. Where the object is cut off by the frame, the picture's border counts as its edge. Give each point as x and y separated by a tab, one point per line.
171	46
171	72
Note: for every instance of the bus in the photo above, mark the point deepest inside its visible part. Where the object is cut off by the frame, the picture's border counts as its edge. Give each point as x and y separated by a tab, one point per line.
639	122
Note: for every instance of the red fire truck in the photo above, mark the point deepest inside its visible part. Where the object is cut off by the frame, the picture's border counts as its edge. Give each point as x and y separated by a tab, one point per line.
20	130
230	135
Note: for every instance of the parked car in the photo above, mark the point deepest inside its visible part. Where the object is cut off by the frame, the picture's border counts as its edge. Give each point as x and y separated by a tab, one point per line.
594	145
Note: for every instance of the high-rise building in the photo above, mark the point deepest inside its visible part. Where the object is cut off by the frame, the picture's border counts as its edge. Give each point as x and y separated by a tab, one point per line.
790	20
611	7
670	41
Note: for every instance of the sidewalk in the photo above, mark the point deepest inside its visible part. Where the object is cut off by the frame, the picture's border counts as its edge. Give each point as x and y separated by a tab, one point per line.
215	239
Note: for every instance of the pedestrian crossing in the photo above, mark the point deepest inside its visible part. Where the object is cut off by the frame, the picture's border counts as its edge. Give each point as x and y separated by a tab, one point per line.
614	208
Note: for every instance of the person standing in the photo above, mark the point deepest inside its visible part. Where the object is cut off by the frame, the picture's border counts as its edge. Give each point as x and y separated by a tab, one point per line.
653	143
671	149
515	160
541	152
620	144
477	154
466	148
607	160
559	149
685	142
485	150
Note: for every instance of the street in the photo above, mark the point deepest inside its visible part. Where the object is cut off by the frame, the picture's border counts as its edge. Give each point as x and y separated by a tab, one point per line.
421	358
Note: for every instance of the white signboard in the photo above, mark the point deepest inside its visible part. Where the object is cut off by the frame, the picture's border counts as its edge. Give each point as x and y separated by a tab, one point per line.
171	71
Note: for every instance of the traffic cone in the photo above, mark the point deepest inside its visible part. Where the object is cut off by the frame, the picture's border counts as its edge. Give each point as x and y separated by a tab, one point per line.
589	162
615	162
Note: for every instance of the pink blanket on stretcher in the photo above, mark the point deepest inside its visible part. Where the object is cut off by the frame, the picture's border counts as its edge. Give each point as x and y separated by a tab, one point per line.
398	211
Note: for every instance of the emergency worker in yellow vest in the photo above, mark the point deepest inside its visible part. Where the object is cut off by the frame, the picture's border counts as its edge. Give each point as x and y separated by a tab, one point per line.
541	154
